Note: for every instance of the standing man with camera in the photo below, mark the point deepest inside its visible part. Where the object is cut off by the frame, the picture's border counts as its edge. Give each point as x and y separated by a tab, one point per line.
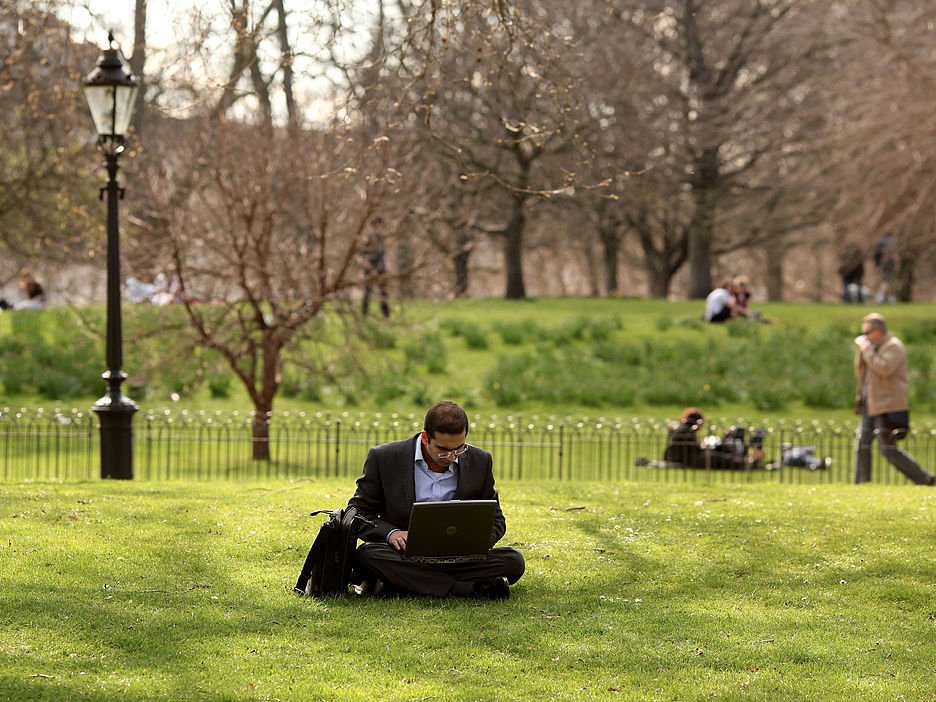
881	369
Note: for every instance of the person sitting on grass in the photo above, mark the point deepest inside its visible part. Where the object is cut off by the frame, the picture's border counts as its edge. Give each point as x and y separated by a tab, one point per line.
730	300
435	464
34	297
683	448
722	305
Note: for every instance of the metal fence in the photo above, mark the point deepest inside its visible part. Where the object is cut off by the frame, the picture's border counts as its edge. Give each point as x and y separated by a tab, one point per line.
63	445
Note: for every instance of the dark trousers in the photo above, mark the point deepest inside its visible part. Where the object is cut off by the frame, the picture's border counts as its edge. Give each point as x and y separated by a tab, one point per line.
377	560
872	427
384	298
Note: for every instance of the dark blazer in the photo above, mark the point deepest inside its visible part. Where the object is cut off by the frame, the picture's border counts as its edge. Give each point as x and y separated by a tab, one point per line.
386	490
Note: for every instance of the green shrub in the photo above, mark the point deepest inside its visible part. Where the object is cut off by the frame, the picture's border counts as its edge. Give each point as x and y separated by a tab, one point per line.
602	328
380	337
920	331
181	377
434	354
437	360
620	353
664	392
421	395
57	384
12	375
389	389
827	393
742	329
301	383
515	333
768	398
474	335
416	351
507	383
571	331
451	325
27	324
219	384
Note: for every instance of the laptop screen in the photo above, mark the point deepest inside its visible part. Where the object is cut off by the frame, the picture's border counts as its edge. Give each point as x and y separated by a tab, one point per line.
450	528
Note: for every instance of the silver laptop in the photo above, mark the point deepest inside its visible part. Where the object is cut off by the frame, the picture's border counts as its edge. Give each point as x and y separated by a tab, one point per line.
453	531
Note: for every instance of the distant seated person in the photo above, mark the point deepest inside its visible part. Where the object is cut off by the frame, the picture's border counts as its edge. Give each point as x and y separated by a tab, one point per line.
722	303
139	290
33	294
742	291
684	449
731	299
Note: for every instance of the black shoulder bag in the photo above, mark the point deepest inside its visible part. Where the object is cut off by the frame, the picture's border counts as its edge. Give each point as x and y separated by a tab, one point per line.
327	568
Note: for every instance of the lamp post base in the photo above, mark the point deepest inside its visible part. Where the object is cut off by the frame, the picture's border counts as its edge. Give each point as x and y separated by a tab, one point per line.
116	417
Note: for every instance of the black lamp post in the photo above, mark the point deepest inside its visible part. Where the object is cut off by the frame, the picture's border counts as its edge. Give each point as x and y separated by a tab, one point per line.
110	90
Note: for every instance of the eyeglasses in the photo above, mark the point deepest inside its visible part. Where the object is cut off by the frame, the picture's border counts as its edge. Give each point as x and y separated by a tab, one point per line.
450	453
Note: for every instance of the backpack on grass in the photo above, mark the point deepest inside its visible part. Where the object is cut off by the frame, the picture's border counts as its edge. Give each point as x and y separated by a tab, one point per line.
327	568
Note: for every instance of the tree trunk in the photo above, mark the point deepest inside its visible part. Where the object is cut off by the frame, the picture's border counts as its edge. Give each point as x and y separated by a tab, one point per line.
460	261
286	62
461	257
610	238
260	433
513	252
776	252
702	227
138	63
263	399
658	283
661	262
905	278
405	288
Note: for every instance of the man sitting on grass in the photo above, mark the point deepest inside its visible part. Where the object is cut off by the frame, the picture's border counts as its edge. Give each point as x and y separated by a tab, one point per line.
436	464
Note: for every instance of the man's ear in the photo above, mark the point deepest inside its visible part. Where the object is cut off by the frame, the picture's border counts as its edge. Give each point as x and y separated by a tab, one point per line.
424	437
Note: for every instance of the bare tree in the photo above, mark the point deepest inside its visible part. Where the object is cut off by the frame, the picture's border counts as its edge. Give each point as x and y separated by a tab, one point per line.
730	78
881	132
253	268
262	217
497	100
45	140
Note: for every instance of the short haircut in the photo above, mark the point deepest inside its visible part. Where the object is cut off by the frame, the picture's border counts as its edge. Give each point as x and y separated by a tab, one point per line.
446	418
876	321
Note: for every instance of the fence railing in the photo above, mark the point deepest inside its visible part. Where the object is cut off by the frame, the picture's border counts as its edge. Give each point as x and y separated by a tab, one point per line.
63	445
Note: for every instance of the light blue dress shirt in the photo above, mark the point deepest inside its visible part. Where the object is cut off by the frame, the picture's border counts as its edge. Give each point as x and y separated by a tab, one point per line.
432	486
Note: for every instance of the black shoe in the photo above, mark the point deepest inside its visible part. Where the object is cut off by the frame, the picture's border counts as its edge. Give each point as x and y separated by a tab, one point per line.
495	589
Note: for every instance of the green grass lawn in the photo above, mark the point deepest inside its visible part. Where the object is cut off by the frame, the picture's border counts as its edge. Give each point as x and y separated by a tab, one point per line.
114	591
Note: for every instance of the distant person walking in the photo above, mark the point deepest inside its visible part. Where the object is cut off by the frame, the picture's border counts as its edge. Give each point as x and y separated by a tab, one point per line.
887	259
881	369
374	258
851	270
